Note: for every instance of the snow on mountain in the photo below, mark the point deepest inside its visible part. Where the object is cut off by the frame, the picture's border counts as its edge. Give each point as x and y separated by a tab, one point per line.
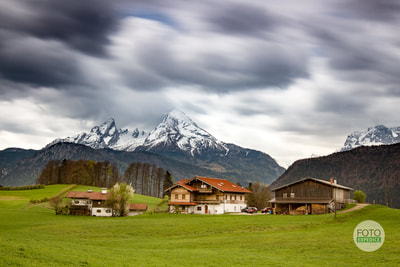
176	132
179	131
378	135
107	135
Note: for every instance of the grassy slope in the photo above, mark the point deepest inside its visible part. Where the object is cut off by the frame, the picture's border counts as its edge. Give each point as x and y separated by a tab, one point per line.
34	236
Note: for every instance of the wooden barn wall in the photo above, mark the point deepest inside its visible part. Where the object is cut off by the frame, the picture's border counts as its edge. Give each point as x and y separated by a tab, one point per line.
306	189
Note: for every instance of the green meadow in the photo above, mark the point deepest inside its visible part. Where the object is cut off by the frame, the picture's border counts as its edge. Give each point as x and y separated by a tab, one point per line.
32	235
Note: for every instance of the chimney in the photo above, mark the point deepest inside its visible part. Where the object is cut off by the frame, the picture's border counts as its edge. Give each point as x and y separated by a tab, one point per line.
334	181
104	191
89	191
331	181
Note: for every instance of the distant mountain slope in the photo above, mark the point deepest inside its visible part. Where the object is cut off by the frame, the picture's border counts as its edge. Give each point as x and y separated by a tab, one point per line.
179	138
9	158
373	170
378	135
28	169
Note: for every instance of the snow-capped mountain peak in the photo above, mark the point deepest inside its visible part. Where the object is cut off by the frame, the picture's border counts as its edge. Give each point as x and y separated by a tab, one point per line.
177	129
378	135
175	132
107	135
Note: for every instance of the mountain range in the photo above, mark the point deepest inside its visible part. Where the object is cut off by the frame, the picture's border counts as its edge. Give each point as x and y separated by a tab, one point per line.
177	144
378	135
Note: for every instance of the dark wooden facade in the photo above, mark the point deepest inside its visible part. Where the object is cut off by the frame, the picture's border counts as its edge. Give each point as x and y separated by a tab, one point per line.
310	196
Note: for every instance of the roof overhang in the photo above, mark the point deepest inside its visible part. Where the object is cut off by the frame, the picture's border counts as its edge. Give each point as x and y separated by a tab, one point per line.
315	180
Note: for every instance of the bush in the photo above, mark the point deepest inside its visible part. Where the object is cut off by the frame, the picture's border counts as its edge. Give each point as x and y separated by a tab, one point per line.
23	187
359	196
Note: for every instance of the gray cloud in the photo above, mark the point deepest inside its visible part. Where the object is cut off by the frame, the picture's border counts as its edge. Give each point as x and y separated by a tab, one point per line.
82	25
387	10
30	60
303	74
243	19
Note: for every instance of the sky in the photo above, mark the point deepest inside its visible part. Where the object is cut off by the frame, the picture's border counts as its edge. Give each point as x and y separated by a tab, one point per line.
289	78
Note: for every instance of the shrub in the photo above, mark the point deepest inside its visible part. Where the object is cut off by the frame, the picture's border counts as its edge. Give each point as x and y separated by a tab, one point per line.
359	196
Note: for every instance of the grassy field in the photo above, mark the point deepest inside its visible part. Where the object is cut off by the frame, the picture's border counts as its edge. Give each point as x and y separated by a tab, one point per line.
32	235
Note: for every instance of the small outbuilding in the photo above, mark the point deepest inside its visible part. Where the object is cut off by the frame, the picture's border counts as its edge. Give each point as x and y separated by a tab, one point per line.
136	209
310	196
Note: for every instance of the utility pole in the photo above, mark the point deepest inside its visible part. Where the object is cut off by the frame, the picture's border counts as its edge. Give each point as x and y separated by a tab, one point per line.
335	201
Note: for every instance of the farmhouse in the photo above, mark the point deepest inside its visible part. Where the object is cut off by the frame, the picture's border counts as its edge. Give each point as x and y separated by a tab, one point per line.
204	195
89	203
310	196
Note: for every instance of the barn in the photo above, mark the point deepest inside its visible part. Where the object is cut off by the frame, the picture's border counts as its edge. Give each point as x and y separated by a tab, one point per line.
310	196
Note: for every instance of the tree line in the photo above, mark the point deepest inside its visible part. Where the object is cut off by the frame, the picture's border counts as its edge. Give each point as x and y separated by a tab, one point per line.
146	179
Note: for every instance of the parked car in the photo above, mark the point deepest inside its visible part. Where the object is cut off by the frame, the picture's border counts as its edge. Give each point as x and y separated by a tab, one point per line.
266	210
251	210
244	209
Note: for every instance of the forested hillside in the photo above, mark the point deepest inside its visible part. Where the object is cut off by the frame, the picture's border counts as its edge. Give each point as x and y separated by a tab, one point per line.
374	170
146	179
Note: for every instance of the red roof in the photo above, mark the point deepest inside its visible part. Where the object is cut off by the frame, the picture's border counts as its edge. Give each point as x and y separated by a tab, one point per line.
137	206
182	203
92	195
222	184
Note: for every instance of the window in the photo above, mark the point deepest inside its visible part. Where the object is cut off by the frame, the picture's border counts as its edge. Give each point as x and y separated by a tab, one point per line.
225	197
217	197
98	211
176	196
76	201
285	195
183	196
235	197
231	197
108	211
241	197
292	195
199	208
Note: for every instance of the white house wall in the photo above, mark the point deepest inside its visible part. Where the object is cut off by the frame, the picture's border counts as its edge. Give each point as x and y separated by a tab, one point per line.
233	207
103	212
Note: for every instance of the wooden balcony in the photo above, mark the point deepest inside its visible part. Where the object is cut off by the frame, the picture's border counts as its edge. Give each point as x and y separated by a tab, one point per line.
208	201
205	190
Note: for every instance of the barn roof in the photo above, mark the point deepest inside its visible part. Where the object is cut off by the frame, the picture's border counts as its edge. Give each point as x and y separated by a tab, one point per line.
137	206
313	179
87	195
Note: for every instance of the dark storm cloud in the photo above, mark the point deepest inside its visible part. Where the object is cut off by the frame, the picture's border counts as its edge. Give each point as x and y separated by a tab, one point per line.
241	19
384	10
32	61
83	25
41	41
359	57
262	65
